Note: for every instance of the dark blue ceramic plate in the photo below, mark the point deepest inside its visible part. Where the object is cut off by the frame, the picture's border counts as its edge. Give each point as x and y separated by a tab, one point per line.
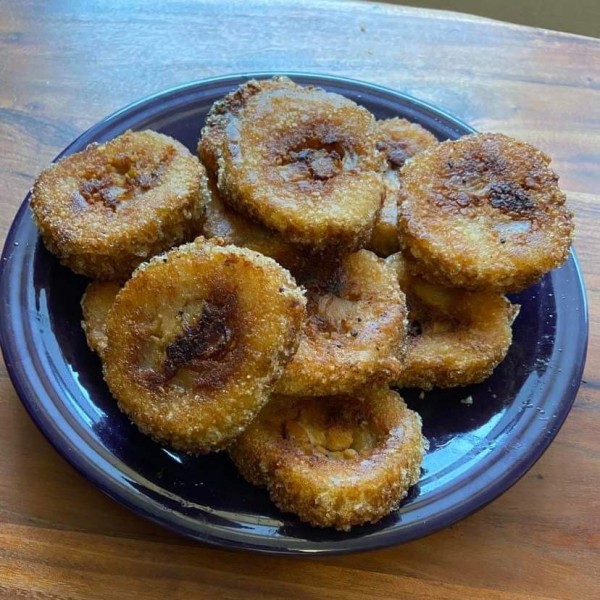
477	451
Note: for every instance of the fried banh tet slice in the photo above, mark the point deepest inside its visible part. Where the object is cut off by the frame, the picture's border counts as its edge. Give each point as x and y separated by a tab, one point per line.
211	139
197	338
455	337
303	162
484	212
97	300
399	140
106	209
334	461
221	221
355	331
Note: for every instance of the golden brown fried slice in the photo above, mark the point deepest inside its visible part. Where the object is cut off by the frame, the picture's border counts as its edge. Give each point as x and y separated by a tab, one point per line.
196	340
399	140
456	337
303	162
223	222
484	212
97	300
211	140
334	461
355	331
106	209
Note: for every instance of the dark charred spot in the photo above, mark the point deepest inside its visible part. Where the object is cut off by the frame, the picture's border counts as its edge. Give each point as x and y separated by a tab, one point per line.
415	329
322	163
207	338
311	157
102	190
477	163
121	178
397	153
509	197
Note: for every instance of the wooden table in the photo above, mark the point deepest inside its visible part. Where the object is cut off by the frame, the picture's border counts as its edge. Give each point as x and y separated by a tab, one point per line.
63	66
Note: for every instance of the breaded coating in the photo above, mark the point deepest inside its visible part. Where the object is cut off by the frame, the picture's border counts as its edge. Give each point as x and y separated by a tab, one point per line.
213	132
197	338
221	221
399	140
355	331
484	212
303	162
334	461
106	209
97	300
455	337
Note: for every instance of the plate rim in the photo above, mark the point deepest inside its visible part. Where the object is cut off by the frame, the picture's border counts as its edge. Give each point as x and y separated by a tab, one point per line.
102	479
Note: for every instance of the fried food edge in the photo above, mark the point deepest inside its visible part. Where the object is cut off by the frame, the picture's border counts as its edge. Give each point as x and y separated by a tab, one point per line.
334	462
106	209
196	340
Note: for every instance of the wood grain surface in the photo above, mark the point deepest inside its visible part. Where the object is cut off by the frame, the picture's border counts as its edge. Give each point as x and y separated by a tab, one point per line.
65	65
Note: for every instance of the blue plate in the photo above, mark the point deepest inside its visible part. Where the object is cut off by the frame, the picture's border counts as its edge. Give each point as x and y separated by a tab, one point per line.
477	450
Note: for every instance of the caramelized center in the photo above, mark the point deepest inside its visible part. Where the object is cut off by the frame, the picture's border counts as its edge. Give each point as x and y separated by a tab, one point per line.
121	176
322	163
312	160
329	431
396	152
197	347
209	337
509	197
478	179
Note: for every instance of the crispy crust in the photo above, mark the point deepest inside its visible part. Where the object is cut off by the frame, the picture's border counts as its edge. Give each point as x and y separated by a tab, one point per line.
355	331
456	337
96	302
212	135
196	339
223	222
484	212
399	140
303	162
334	461
106	209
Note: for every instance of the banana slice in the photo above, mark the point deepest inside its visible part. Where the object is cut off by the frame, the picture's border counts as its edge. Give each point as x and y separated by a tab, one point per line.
484	212
399	140
196	340
303	162
221	221
355	331
455	337
334	461
96	303
106	209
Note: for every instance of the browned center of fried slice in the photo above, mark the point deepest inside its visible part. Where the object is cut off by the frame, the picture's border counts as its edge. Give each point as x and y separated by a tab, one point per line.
397	152
327	312
330	431
209	337
316	163
114	179
312	160
480	179
198	348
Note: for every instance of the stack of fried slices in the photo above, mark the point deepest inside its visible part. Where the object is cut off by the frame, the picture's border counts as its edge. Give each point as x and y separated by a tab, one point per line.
268	299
